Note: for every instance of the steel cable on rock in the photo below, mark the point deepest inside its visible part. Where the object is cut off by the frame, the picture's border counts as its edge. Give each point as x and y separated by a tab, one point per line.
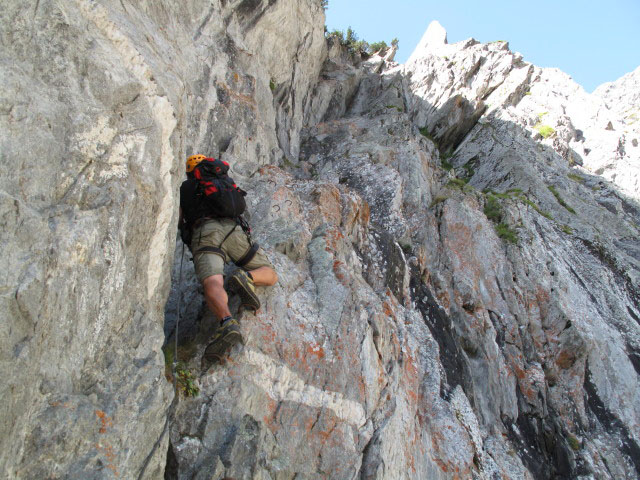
174	366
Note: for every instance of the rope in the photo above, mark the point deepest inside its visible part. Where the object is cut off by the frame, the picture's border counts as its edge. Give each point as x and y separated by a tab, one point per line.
174	367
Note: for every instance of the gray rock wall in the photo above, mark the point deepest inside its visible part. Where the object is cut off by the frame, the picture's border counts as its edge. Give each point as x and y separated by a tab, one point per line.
100	104
407	337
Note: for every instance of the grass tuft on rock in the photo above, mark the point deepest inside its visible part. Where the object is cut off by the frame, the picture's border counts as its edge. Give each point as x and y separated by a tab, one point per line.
560	200
535	207
445	164
575	178
566	229
493	211
573	442
437	200
424	131
507	233
459	184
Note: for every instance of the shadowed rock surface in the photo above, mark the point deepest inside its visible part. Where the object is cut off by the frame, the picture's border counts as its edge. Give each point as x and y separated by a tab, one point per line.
456	241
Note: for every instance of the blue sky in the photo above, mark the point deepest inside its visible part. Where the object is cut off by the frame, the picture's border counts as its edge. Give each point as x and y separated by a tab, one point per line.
593	41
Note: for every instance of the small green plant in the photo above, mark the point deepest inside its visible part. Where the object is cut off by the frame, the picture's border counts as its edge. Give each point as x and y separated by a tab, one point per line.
287	163
469	170
378	46
424	131
576	178
445	163
518	194
573	442
354	44
458	183
560	199
444	160
535	207
542	114
493	209
566	229
527	93
545	130
272	84
503	196
506	233
437	200
338	35
186	381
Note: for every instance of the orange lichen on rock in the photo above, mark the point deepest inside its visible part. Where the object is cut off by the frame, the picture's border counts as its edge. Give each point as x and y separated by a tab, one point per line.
107	451
329	204
270	418
315	350
340	272
105	421
333	237
388	311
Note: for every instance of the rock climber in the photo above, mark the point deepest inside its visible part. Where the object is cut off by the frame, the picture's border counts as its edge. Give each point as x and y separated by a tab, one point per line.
211	225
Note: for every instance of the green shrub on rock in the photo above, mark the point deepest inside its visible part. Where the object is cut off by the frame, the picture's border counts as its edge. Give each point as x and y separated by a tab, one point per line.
545	130
507	233
493	209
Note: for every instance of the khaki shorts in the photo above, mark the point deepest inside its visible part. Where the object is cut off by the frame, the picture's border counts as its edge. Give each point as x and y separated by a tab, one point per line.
211	234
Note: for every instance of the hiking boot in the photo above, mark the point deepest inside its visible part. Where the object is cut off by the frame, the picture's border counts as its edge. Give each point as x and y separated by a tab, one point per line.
242	284
225	337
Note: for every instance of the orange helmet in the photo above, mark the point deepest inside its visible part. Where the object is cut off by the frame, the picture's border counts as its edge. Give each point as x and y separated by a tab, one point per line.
194	160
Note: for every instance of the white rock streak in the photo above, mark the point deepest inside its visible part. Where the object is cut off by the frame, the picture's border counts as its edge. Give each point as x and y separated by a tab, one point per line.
281	383
164	118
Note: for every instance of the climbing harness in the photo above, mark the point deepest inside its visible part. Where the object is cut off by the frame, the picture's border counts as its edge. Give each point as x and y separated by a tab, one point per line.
246	258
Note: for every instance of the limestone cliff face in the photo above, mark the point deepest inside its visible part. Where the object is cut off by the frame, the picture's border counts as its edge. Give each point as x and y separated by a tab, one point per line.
407	337
100	103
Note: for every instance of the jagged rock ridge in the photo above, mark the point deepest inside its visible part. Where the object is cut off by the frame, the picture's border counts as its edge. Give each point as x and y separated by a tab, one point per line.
405	339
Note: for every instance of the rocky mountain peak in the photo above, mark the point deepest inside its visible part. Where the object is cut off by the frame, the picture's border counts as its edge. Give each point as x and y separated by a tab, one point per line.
433	39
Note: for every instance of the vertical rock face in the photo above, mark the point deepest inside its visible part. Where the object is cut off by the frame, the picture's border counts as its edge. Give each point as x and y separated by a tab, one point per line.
408	337
101	101
458	280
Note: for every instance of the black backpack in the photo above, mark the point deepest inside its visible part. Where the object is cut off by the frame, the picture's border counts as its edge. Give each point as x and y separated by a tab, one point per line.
217	190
